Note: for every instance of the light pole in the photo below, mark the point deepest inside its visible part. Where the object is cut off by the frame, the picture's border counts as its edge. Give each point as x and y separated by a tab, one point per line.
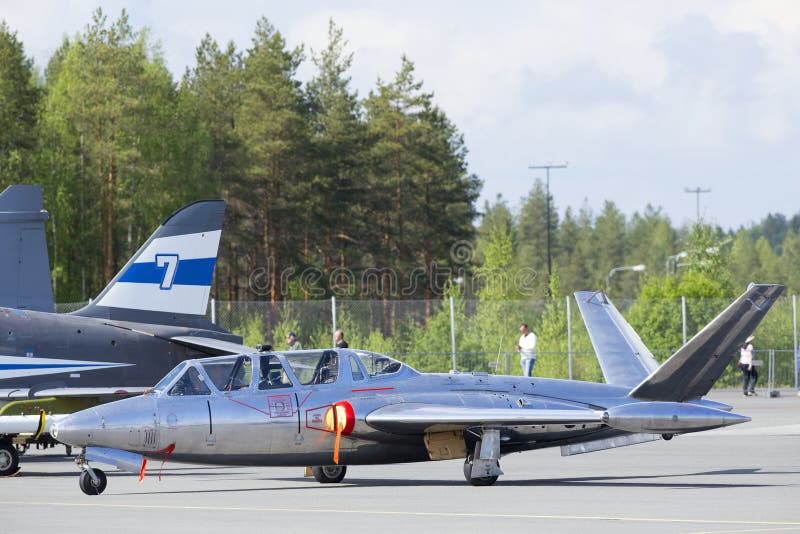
636	268
547	168
682	254
697	191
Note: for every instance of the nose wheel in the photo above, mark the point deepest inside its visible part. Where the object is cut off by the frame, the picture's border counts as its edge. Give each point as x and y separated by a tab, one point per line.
89	485
92	481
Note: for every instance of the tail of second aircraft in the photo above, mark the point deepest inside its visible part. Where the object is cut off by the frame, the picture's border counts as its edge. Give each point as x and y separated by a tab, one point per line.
168	280
24	266
694	368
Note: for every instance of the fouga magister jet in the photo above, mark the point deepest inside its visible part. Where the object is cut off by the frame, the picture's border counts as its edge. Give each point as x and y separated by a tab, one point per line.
332	408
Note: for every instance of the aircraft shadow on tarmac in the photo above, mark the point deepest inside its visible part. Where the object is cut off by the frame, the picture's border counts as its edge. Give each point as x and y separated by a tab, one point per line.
648	481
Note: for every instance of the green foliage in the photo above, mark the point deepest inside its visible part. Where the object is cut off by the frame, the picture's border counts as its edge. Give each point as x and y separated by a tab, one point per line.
19	100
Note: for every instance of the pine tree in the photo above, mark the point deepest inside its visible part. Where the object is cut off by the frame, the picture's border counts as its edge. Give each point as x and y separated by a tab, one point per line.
274	129
19	100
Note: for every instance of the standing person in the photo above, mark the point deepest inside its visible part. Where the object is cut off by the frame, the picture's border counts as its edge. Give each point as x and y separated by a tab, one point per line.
527	349
291	340
338	337
747	365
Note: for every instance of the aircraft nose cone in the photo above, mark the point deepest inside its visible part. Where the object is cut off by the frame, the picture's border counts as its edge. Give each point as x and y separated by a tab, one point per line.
77	429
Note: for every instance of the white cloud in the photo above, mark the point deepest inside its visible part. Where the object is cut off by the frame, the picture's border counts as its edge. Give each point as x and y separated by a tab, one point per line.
670	91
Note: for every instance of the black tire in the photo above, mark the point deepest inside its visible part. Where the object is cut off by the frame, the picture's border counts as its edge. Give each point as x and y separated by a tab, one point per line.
9	459
329	474
87	484
68	449
478	481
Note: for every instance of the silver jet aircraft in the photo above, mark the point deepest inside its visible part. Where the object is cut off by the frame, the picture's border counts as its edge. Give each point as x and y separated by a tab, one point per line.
333	408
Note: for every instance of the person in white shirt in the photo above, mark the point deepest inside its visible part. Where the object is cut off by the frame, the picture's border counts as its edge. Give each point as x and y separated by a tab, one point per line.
747	365
527	349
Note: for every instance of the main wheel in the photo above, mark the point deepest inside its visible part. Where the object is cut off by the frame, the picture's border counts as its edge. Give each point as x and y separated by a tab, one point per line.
477	481
88	485
329	474
9	459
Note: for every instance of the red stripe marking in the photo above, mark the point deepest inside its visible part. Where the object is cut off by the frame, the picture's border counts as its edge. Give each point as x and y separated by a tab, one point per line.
371	389
248	406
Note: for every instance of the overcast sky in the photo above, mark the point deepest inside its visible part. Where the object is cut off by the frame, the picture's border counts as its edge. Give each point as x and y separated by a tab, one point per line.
641	98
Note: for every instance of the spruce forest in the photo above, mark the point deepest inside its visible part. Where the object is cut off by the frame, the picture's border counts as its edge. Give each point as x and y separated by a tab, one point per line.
366	197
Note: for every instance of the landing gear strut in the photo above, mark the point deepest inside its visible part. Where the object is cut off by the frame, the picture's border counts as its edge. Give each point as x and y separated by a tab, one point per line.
329	474
482	467
92	481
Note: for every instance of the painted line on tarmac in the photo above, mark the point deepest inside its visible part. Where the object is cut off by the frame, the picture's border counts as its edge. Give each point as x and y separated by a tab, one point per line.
782	529
795	524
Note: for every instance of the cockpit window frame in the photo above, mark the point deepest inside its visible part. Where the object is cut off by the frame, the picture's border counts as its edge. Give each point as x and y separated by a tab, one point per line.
201	377
380	375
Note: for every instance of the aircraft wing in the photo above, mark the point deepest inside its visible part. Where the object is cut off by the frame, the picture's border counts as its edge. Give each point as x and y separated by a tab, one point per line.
211	346
417	418
624	359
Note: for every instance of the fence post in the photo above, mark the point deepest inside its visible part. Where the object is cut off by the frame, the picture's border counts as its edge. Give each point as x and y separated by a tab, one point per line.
333	315
569	338
213	310
453	331
795	356
683	314
771	372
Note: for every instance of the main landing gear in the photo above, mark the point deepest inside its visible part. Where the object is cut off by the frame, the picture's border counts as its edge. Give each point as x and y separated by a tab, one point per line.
92	481
329	474
482	467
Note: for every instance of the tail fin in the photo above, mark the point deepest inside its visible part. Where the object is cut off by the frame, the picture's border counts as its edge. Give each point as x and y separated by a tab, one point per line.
694	368
623	357
168	280
24	266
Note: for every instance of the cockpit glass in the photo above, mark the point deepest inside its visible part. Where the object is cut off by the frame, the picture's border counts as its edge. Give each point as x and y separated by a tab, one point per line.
230	374
167	380
272	374
190	383
379	364
318	367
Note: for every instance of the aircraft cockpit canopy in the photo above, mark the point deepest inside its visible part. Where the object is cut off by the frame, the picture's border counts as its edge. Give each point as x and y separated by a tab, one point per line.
378	364
314	367
230	374
270	371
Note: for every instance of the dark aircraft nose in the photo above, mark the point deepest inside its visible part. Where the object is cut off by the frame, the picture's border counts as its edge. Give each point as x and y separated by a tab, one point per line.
78	429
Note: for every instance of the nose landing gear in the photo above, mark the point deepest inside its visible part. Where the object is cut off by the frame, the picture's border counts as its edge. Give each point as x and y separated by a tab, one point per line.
92	481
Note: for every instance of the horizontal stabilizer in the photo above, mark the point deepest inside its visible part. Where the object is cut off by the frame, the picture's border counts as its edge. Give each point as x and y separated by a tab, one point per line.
694	368
624	359
416	418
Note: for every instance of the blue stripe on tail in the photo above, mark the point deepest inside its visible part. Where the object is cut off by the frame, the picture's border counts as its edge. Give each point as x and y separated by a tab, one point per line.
194	272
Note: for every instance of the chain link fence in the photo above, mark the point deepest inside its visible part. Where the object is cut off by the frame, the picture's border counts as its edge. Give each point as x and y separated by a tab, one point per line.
479	336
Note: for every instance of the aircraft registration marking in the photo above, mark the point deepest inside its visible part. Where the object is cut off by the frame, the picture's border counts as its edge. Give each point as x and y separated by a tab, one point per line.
280	406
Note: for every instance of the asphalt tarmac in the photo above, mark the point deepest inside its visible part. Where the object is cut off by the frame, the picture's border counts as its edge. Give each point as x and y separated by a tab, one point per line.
739	479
